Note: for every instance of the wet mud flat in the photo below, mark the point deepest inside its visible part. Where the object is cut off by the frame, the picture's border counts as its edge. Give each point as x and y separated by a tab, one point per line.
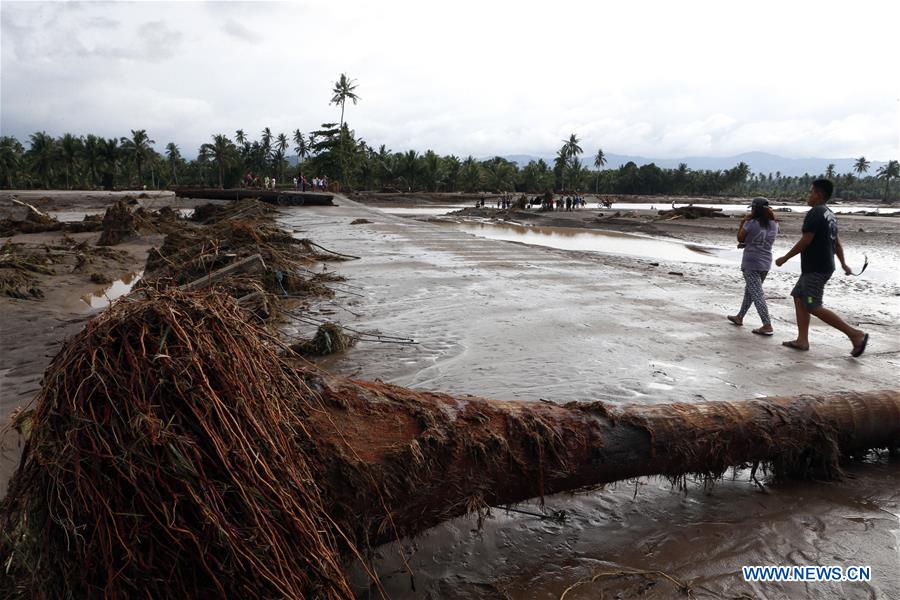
514	321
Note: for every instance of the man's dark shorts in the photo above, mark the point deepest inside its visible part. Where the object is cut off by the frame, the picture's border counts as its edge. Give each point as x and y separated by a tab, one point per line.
810	288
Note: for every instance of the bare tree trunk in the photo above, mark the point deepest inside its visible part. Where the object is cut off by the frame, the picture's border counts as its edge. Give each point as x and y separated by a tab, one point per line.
401	461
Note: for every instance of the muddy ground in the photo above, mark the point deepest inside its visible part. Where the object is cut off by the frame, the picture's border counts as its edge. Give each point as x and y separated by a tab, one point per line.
514	321
509	320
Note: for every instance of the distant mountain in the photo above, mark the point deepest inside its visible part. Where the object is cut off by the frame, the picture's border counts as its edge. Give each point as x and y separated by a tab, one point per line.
760	162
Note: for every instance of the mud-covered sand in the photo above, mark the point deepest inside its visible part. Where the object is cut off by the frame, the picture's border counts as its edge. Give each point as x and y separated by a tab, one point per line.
508	320
513	321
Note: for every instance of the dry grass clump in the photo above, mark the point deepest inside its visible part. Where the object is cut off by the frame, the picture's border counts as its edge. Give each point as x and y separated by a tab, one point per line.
329	339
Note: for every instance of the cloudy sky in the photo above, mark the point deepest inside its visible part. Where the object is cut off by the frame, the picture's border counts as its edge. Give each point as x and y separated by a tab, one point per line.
654	78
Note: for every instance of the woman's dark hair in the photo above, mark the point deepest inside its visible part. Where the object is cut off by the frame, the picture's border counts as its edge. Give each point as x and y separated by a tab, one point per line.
761	214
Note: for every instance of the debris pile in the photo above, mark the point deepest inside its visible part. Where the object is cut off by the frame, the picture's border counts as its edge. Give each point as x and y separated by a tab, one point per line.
238	250
118	224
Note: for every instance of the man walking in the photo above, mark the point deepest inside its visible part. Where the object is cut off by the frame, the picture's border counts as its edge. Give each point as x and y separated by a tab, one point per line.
817	249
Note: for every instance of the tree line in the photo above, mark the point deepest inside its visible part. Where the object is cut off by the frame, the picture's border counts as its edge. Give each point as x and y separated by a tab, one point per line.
335	151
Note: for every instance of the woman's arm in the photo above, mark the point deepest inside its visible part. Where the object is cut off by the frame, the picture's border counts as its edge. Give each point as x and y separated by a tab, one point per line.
741	234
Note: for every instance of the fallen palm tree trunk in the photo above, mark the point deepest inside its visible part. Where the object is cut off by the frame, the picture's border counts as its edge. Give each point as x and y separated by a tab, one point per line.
171	446
432	457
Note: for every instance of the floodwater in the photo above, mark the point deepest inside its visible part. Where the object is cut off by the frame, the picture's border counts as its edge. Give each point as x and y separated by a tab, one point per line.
71	216
885	266
736	209
103	297
422	211
529	322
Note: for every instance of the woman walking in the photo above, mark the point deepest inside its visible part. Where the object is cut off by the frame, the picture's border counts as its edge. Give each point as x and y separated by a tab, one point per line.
756	235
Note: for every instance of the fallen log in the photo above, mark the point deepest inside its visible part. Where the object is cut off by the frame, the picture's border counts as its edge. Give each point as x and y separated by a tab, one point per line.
691	212
431	457
171	443
33	214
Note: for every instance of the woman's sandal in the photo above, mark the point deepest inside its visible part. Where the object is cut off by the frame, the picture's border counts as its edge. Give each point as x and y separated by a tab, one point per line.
760	331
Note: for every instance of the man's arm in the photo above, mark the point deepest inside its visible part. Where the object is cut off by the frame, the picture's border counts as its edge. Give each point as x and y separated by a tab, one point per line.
801	245
839	252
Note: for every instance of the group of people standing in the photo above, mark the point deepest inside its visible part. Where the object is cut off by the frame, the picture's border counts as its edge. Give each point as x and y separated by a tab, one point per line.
817	248
568	203
300	182
253	181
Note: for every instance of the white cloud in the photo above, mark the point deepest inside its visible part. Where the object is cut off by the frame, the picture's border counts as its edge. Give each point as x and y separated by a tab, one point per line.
658	79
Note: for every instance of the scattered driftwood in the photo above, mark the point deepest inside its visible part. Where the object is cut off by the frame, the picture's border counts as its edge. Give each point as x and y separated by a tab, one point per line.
25	218
360	221
171	443
690	212
34	214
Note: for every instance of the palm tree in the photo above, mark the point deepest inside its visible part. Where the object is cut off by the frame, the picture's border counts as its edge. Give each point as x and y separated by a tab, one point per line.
571	147
91	156
599	162
281	145
138	146
240	137
173	156
829	171
887	172
42	155
576	172
431	170
470	174
409	168
111	154
266	140
278	161
861	166
223	152
11	153
500	174
344	90
69	149
301	146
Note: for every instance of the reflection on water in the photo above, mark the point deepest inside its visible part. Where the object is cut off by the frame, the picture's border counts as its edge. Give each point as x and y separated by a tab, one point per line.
883	267
104	296
72	216
422	211
592	240
737	209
